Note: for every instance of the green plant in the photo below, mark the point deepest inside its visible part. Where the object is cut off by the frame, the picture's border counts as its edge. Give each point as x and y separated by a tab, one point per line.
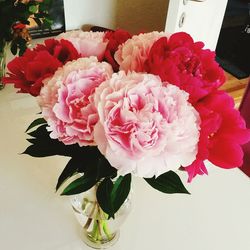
13	12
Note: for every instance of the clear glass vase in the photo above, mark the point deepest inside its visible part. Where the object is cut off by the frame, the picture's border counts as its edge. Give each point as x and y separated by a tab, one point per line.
3	54
98	231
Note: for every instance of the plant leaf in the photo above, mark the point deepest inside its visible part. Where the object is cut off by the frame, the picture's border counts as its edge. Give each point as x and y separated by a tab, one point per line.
43	146
13	48
47	22
104	169
79	185
33	9
103	195
120	191
71	168
168	182
35	123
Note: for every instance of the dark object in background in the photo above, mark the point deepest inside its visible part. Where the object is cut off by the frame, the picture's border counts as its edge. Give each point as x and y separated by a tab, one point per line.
14	16
56	14
99	28
245	112
233	48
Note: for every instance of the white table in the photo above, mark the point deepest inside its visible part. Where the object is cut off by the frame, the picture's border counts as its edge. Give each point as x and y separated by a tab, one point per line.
33	217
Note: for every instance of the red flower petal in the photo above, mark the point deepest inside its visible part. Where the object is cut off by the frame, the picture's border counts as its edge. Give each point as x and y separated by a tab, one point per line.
225	154
182	62
197	167
115	38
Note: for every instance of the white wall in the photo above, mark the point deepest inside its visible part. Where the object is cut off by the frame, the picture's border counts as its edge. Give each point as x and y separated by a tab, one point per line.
133	15
95	12
203	19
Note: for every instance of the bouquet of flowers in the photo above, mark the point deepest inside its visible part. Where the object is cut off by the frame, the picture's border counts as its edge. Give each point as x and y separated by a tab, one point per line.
15	15
118	105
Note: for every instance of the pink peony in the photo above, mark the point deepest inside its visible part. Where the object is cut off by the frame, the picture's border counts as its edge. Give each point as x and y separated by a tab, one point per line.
66	100
134	52
145	128
87	43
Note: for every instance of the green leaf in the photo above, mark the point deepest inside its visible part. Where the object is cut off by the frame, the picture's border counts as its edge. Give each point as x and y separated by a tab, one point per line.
168	182
47	2
33	9
103	168
45	5
22	44
39	151
70	169
111	196
120	191
40	132
79	185
43	146
47	22
13	48
31	140
87	164
35	123
103	195
40	15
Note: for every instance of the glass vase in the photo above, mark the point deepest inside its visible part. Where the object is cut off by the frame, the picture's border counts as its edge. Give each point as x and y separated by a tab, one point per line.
98	231
3	55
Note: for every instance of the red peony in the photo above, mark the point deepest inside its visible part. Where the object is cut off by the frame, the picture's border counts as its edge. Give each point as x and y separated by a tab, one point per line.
115	38
28	71
222	133
62	49
181	61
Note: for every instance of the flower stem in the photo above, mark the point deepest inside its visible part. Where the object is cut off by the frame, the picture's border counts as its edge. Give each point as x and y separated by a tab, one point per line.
94	233
96	226
106	230
87	224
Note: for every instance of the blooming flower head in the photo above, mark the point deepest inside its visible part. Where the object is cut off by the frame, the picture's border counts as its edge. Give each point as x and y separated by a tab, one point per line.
27	72
63	50
115	38
160	112
66	100
185	63
222	133
87	43
145	128
134	52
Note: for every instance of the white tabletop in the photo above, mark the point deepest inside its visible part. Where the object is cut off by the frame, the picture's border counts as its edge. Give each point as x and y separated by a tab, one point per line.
33	217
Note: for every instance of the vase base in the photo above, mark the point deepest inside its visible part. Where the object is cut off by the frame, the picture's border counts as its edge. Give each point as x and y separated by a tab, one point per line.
97	244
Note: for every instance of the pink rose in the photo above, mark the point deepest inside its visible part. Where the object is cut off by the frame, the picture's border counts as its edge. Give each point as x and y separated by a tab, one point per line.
67	100
87	43
133	53
145	128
